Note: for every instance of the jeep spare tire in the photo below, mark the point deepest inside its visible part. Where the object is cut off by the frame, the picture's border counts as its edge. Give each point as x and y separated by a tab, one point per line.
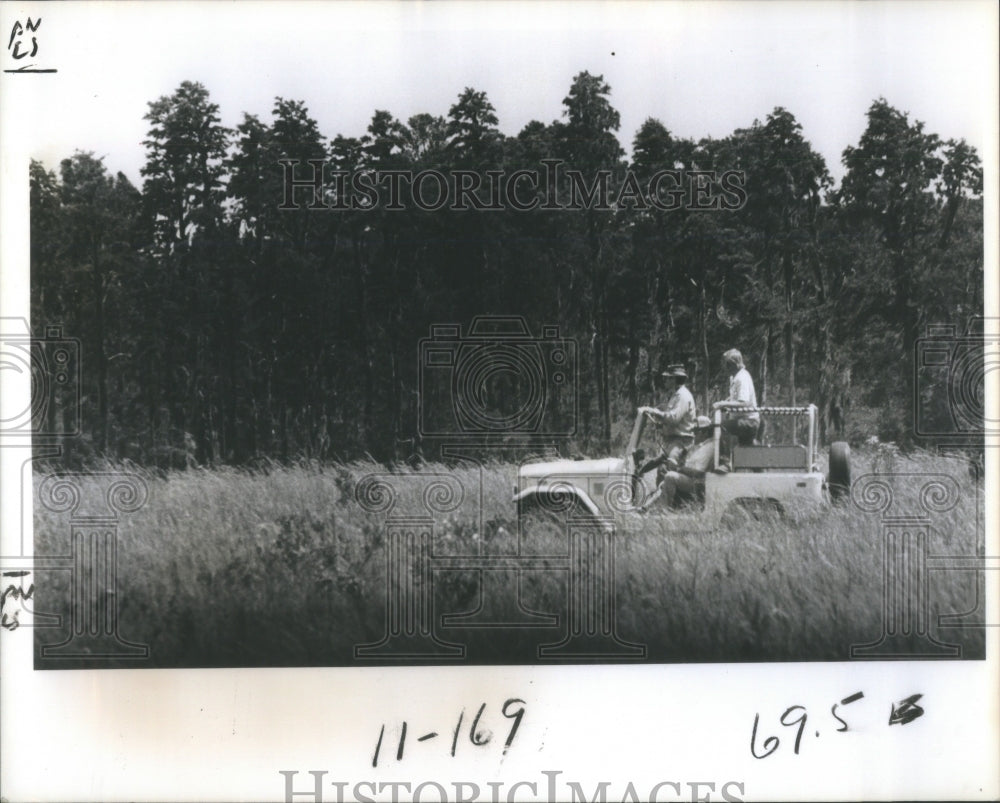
839	478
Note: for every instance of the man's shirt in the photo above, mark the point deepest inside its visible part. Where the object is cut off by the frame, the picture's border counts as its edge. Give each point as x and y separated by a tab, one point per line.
679	418
741	390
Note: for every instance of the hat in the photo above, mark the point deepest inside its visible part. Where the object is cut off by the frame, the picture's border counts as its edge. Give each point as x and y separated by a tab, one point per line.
704	422
675	370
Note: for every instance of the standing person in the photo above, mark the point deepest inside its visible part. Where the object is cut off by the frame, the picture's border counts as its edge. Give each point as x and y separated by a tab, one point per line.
742	425
677	421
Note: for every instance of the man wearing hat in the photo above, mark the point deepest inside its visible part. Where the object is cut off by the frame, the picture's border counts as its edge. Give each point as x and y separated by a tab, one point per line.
685	482
677	421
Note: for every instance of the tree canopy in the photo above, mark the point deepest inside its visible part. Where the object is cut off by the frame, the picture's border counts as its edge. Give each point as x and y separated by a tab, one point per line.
219	327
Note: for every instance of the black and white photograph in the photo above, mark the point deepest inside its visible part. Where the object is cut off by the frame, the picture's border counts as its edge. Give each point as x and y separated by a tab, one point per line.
498	398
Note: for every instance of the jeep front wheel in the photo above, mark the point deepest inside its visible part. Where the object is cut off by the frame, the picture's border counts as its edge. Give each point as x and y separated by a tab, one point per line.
544	518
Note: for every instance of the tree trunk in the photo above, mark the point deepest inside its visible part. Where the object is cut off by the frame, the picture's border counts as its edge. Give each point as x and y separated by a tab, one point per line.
633	364
151	367
605	368
606	386
950	210
909	319
598	324
102	362
825	390
232	449
284	430
703	326
396	394
789	329
657	337
364	344
765	354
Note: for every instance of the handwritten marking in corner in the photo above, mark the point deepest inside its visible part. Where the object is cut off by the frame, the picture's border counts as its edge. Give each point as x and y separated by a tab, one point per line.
19	49
15	594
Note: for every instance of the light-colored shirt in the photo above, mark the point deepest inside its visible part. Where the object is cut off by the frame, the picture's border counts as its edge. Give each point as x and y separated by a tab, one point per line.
741	390
679	418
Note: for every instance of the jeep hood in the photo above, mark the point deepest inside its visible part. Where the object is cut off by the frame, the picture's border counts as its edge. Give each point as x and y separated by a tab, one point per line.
570	468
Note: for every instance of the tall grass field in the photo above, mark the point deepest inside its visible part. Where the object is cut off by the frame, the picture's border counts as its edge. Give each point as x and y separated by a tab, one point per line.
281	566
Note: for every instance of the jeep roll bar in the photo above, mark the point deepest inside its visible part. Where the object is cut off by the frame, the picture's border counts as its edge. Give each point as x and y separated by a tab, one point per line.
810	411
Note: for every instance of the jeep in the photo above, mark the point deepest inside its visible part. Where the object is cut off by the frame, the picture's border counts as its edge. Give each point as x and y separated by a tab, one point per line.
778	474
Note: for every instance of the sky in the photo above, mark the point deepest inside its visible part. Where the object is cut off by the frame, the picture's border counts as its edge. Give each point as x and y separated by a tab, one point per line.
701	68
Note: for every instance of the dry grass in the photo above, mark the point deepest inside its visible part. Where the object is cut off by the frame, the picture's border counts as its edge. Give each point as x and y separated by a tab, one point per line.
282	566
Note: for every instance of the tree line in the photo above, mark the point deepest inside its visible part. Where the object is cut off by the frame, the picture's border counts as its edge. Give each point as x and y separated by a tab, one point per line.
218	327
